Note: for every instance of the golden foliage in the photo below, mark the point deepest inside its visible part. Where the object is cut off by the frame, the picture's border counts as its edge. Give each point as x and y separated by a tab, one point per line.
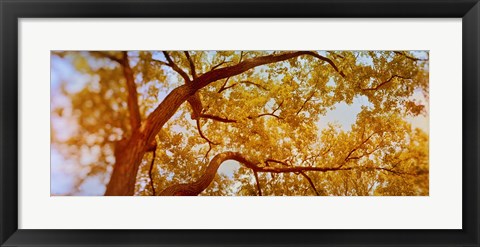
271	114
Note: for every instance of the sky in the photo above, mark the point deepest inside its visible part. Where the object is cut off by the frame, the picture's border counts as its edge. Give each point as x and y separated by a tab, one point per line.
63	170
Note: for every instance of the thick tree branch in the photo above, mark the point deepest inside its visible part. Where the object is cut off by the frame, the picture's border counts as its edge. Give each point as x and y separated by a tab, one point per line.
172	102
219	64
264	115
305	102
176	68
132	101
301	173
272	114
192	65
336	55
409	57
195	188
150	173
395	172
359	146
310	182
218	74
329	61
107	55
258	183
385	82
223	88
364	154
228	120
162	63
217	118
164	111
199	128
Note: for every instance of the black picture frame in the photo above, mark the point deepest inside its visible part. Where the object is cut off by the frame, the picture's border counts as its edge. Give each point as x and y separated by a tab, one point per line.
12	10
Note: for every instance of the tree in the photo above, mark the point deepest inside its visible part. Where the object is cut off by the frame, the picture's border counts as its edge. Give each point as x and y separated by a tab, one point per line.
162	123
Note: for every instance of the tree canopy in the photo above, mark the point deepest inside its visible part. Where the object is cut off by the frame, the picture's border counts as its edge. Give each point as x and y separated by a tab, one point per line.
165	123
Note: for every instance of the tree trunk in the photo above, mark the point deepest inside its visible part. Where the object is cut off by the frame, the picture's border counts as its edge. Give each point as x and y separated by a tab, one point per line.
127	160
129	153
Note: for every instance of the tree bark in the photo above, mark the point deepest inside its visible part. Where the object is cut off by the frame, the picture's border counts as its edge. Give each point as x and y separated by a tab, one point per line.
132	101
195	188
129	156
127	160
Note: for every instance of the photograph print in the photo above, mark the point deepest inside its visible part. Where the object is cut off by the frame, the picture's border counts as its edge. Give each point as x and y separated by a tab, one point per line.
239	123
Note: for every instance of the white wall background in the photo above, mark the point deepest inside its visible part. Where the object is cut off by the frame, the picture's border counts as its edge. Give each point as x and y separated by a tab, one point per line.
442	209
